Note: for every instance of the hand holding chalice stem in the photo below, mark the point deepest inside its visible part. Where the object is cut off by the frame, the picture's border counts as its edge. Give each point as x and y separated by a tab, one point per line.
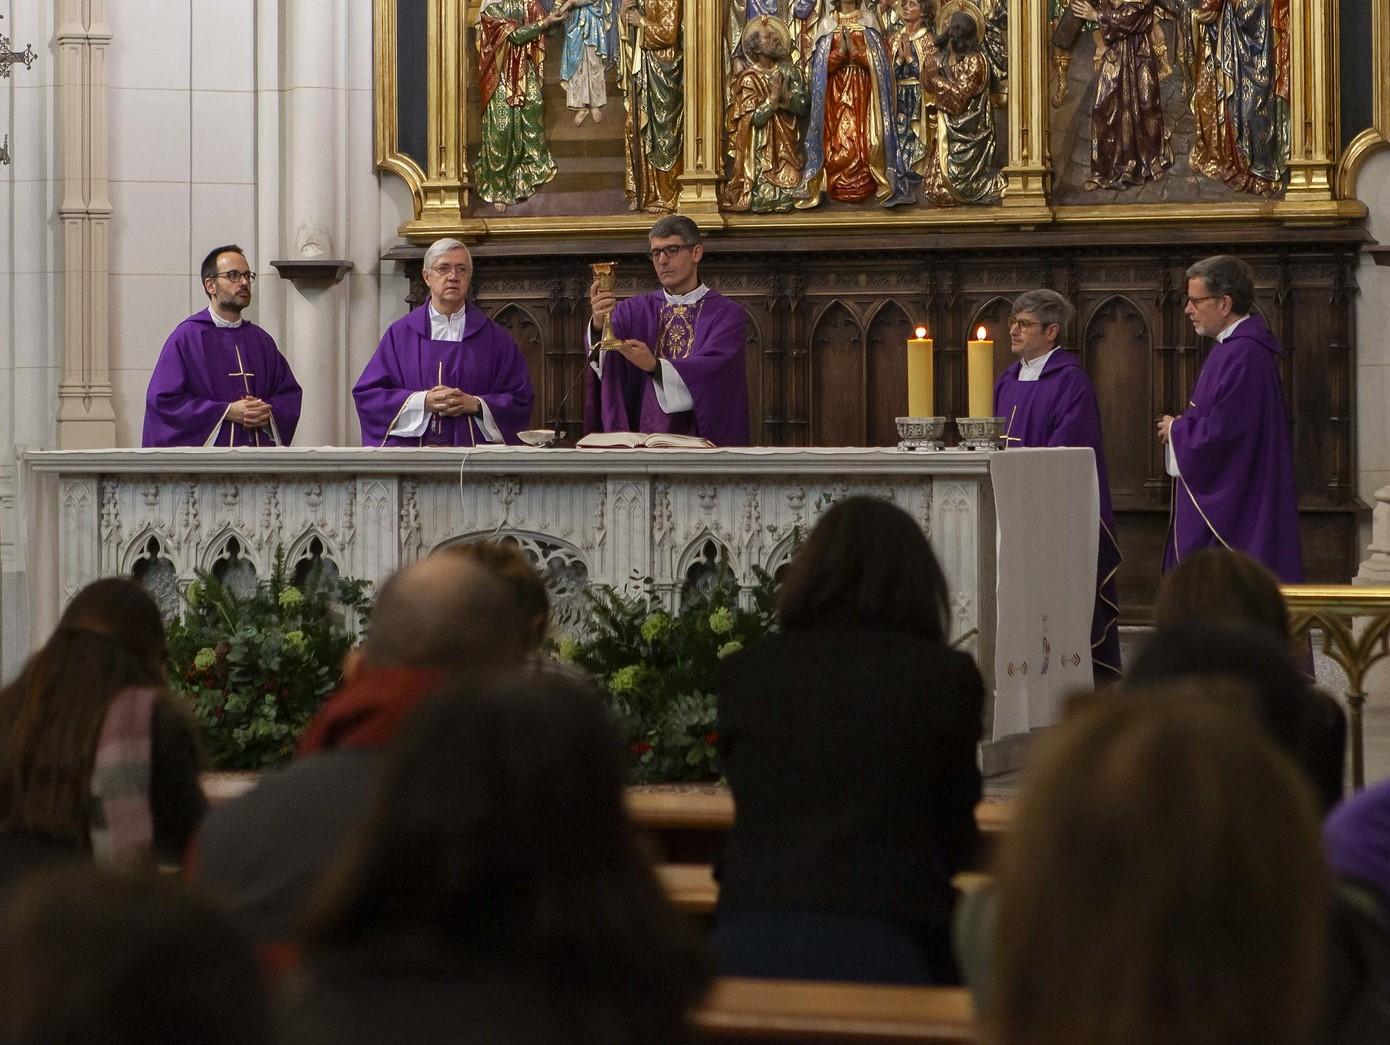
602	301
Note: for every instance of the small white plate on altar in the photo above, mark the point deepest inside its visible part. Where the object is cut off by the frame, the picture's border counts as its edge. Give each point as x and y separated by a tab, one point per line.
537	436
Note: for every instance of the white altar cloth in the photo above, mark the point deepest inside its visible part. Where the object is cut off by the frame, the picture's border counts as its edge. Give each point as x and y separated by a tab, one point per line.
584	516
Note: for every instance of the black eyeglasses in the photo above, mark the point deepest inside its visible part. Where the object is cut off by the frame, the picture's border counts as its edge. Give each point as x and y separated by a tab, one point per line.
1205	297
1023	324
237	276
670	252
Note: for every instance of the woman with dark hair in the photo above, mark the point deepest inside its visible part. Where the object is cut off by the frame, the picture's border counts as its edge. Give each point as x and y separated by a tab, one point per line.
849	742
1219	612
95	758
498	892
1161	883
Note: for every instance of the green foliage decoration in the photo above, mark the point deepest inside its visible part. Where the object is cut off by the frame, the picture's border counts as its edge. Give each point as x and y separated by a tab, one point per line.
658	669
254	669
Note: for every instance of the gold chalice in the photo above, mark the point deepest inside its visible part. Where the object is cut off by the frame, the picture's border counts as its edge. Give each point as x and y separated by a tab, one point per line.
606	274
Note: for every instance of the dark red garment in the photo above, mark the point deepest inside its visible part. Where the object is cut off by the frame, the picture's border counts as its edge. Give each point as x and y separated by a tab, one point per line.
366	712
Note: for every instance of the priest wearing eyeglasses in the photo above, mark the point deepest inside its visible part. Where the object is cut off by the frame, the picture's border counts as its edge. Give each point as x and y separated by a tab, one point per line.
680	365
444	374
1046	399
1229	452
220	380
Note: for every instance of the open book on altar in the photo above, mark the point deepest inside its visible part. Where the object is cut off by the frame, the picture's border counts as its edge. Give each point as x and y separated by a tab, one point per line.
667	440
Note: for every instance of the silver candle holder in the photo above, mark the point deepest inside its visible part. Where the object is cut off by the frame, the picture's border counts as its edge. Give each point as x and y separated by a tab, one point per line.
980	433
921	433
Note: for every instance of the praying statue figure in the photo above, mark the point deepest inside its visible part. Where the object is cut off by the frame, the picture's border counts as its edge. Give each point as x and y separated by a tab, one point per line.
962	167
591	48
851	142
653	67
1129	139
1241	98
765	100
513	156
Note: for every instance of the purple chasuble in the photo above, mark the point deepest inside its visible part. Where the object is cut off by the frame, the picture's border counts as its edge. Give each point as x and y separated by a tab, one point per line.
486	364
1232	446
704	342
1059	409
199	374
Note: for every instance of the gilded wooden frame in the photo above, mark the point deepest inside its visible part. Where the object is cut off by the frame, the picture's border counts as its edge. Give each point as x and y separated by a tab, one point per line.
1321	189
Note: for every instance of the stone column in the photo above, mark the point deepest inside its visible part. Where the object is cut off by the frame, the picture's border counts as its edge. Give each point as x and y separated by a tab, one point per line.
85	415
702	40
312	221
1375	569
1027	169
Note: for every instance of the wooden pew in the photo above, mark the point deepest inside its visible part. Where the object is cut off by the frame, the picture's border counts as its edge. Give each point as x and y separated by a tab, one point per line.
693	889
712	809
792	1010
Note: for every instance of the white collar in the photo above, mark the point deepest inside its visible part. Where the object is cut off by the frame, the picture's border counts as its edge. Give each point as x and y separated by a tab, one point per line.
1032	371
225	324
1231	329
685	299
446	328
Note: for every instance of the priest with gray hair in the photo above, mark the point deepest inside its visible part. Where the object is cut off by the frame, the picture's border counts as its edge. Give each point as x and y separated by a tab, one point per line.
444	374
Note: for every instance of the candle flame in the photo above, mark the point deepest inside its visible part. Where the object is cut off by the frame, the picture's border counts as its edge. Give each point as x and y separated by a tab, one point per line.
921	331
980	333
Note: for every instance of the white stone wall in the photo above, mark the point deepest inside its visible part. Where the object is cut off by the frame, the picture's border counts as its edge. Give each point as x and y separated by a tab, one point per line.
243	125
1372	346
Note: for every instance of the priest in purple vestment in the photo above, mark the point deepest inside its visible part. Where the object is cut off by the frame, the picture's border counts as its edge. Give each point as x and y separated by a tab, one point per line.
444	374
680	367
220	380
1046	399
1229	453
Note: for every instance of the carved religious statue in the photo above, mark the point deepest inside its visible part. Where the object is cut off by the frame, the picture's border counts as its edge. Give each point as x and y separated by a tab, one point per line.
911	45
765	100
963	167
1241	97
742	14
591	49
513	155
852	150
653	84
1130	143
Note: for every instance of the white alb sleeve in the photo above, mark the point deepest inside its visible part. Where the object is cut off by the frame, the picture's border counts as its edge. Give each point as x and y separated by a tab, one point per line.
672	394
413	418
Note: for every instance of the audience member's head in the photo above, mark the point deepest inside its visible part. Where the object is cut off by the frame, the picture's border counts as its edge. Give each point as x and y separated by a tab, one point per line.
444	611
499	839
1309	727
506	561
1161	882
866	564
1222	586
91	956
109	640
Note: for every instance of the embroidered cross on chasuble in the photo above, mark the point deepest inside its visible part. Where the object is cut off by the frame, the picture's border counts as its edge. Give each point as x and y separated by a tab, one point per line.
677	330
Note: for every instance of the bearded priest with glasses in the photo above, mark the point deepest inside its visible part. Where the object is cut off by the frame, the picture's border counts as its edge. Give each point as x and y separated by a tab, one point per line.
679	365
220	380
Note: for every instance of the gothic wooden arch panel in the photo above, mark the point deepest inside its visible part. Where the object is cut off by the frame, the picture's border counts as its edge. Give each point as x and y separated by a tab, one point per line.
993	315
1115	350
518	321
753	369
837	377
886	372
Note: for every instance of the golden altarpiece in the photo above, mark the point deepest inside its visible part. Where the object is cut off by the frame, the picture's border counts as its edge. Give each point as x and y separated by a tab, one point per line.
863	167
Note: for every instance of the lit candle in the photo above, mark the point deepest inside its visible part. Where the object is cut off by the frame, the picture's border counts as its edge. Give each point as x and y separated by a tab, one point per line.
979	363
921	400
